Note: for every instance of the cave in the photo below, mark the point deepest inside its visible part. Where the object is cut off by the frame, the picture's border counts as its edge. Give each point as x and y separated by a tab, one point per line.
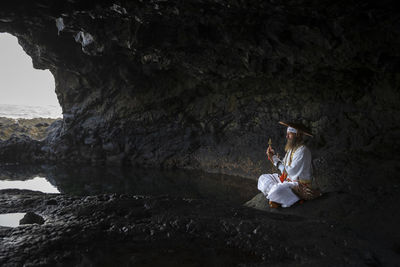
201	85
28	103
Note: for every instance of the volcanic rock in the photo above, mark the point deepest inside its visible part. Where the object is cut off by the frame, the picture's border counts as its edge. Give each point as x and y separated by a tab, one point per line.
34	128
137	230
31	217
202	84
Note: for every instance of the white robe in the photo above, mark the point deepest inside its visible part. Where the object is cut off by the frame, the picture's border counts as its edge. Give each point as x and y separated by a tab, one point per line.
299	169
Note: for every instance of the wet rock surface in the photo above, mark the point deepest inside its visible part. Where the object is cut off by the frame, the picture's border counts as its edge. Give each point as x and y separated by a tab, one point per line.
201	85
30	218
132	230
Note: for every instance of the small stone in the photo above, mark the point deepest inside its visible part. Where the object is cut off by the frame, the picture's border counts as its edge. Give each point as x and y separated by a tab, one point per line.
30	218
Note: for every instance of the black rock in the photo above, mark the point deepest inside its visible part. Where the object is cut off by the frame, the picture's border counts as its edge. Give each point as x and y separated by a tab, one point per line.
42	124
51	202
202	84
31	218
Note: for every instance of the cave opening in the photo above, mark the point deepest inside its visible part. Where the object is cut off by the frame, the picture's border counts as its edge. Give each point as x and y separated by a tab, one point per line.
28	102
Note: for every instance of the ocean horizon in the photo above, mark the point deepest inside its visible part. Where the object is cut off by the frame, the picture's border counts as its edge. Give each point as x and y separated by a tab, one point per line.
29	112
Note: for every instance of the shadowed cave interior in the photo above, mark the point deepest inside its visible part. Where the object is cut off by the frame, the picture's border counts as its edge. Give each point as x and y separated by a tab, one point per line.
201	85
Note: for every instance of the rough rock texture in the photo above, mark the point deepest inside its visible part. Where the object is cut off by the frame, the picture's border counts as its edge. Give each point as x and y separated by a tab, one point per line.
201	84
21	149
31	218
36	128
22	140
370	218
124	230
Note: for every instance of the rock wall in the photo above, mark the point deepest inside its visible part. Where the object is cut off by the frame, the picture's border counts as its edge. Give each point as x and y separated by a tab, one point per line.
202	84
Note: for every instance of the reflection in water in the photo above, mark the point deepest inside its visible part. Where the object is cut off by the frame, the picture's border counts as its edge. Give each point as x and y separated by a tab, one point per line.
35	184
83	180
11	219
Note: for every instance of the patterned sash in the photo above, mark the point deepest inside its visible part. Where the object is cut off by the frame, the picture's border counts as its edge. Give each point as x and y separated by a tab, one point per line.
284	176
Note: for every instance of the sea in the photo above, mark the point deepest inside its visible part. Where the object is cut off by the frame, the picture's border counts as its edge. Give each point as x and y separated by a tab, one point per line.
30	112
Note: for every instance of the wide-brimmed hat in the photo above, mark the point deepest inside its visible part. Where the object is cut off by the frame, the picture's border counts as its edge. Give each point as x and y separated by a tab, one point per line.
298	126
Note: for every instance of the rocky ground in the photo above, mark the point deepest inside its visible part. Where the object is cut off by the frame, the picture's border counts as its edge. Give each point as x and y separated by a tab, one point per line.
34	128
201	85
127	230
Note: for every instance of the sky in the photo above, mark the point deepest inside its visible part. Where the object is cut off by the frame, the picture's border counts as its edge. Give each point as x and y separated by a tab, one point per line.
20	83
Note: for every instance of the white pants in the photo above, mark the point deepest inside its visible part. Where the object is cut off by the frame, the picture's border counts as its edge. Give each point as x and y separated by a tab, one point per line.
276	191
